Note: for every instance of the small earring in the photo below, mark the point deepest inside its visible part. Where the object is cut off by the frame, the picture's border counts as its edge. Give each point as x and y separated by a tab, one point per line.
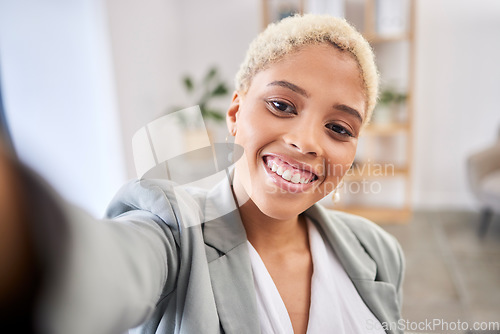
336	197
336	194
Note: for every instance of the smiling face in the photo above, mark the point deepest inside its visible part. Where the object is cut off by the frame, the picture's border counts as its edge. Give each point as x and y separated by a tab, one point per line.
298	123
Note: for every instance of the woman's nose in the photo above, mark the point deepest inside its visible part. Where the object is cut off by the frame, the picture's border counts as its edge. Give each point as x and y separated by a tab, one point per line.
305	138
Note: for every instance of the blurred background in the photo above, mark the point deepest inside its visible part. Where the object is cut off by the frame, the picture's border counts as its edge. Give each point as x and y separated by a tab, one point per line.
79	77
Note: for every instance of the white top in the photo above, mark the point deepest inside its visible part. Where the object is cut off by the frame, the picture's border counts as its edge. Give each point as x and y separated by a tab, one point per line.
336	306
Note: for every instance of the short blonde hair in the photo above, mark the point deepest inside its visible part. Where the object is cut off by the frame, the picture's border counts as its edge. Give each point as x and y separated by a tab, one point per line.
292	33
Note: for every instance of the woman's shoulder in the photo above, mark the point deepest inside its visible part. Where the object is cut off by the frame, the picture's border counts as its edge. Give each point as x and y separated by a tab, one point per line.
366	231
144	195
155	195
163	200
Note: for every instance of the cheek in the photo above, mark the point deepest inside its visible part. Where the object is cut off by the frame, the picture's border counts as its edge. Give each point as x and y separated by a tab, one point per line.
254	127
340	161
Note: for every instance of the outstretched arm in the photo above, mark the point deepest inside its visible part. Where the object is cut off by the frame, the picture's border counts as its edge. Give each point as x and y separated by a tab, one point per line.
64	271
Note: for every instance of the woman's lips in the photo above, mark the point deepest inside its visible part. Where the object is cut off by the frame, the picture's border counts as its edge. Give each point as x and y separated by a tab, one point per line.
287	176
287	171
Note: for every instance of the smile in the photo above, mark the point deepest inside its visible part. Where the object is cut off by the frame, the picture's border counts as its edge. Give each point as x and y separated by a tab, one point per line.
288	172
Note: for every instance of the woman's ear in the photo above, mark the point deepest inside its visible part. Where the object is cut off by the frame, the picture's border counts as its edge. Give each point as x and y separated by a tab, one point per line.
232	113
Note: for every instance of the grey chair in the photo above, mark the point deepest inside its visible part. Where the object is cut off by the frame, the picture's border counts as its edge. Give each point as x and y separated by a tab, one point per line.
483	169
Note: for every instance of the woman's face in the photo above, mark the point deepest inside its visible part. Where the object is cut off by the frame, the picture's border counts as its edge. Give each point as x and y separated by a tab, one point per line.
298	123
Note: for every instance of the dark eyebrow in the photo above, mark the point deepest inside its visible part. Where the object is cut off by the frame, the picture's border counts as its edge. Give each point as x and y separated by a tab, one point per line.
290	86
349	110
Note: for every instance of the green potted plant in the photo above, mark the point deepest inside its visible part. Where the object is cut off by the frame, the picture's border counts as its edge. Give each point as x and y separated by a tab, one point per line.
204	92
389	103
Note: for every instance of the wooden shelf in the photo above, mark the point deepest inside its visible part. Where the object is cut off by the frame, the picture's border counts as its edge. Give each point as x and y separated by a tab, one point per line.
371	171
376	39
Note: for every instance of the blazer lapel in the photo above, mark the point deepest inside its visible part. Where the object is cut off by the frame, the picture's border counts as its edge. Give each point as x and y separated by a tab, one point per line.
357	263
380	297
231	272
229	264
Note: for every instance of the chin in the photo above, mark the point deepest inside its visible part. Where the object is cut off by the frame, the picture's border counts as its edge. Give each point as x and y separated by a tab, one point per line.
281	209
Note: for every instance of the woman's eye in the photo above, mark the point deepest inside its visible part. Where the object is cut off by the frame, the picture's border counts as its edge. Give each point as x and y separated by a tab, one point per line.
340	130
283	107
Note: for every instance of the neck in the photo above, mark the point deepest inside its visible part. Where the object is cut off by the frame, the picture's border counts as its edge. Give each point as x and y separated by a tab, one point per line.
267	233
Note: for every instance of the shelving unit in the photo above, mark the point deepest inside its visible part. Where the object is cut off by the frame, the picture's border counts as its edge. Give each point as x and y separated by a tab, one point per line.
386	143
376	136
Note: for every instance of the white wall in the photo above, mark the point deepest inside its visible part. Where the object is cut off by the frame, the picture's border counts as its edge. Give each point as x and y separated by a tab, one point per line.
218	32
457	93
156	42
59	96
144	40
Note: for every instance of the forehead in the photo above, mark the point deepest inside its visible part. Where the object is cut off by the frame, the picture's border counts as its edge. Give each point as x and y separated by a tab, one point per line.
321	69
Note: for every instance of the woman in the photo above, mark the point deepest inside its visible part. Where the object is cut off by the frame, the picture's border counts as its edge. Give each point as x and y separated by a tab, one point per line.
274	263
304	92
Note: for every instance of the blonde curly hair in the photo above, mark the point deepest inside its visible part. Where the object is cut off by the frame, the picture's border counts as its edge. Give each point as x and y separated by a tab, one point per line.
292	33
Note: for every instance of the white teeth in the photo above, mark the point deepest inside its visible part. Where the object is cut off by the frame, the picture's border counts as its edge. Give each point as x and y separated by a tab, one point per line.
287	175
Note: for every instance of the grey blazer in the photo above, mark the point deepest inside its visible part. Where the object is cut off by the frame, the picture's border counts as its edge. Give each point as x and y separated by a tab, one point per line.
158	263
